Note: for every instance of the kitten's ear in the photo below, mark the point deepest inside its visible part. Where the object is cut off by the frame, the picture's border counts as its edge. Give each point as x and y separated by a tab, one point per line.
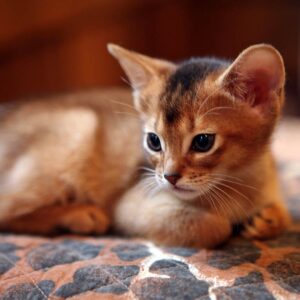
139	68
256	76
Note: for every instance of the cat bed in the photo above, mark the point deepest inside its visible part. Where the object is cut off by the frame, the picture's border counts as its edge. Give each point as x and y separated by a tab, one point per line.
119	268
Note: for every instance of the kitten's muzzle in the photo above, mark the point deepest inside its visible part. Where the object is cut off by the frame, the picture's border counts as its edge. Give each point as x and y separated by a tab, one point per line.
172	178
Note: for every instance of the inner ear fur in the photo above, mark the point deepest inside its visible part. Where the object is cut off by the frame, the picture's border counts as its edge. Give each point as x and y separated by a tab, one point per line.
140	69
256	76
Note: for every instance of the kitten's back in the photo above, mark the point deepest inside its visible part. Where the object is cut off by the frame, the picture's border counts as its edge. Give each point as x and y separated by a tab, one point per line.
76	143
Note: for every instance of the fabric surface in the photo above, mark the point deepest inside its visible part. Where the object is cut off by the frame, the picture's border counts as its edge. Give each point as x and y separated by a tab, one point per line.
118	268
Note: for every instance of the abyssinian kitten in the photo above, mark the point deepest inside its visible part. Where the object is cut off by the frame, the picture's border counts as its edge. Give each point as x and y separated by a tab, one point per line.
205	125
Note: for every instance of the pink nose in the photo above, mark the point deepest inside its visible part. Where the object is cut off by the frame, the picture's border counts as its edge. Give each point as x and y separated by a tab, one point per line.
172	178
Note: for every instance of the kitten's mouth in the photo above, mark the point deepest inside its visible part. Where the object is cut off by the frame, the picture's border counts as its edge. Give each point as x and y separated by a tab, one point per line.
183	193
182	190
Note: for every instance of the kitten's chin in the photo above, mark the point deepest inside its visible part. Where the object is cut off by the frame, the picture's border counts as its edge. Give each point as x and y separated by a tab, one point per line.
184	194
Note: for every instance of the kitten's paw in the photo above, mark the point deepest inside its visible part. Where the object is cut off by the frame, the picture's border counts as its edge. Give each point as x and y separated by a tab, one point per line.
86	219
267	223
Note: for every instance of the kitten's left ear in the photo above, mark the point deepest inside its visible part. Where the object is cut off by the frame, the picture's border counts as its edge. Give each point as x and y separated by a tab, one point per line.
139	68
257	76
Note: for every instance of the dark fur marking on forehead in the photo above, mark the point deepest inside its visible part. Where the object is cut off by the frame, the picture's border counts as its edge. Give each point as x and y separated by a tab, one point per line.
183	81
171	114
192	71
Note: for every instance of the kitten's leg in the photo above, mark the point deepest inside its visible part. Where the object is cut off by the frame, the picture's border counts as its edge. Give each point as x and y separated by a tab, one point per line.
75	218
85	219
27	200
268	222
271	217
167	220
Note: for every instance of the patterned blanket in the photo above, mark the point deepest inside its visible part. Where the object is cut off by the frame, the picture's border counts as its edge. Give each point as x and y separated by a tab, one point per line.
118	268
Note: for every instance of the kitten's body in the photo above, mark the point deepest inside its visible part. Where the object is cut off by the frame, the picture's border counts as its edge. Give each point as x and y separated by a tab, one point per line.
69	150
89	149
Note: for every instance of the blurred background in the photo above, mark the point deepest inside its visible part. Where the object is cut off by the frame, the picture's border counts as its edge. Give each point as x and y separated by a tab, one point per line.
53	46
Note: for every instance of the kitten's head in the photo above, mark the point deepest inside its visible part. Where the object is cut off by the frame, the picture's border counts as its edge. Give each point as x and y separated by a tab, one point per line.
205	119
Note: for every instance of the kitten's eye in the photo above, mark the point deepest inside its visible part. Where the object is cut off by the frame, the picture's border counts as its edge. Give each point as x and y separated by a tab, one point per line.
203	142
153	142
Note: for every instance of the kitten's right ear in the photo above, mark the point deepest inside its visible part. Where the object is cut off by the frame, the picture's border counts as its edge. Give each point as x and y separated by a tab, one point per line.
256	76
139	68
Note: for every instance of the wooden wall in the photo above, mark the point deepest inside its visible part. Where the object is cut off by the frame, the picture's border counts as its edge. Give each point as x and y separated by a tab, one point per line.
50	46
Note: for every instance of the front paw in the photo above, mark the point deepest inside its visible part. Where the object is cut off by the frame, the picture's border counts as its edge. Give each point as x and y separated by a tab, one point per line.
269	222
85	219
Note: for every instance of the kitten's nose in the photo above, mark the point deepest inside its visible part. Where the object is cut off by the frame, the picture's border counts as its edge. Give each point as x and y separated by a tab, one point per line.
172	178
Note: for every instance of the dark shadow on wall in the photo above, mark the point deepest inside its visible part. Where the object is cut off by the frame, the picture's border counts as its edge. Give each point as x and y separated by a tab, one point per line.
53	46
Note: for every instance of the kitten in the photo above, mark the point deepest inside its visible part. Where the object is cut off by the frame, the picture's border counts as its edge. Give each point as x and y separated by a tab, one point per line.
207	129
70	162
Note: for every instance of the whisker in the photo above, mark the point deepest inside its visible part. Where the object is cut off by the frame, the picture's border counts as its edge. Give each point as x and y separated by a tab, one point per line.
226	175
216	198
216	108
147	169
235	182
124	104
127	113
234	200
208	97
147	180
238	183
148	184
212	199
148	175
213	93
241	208
154	191
235	190
204	102
225	204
